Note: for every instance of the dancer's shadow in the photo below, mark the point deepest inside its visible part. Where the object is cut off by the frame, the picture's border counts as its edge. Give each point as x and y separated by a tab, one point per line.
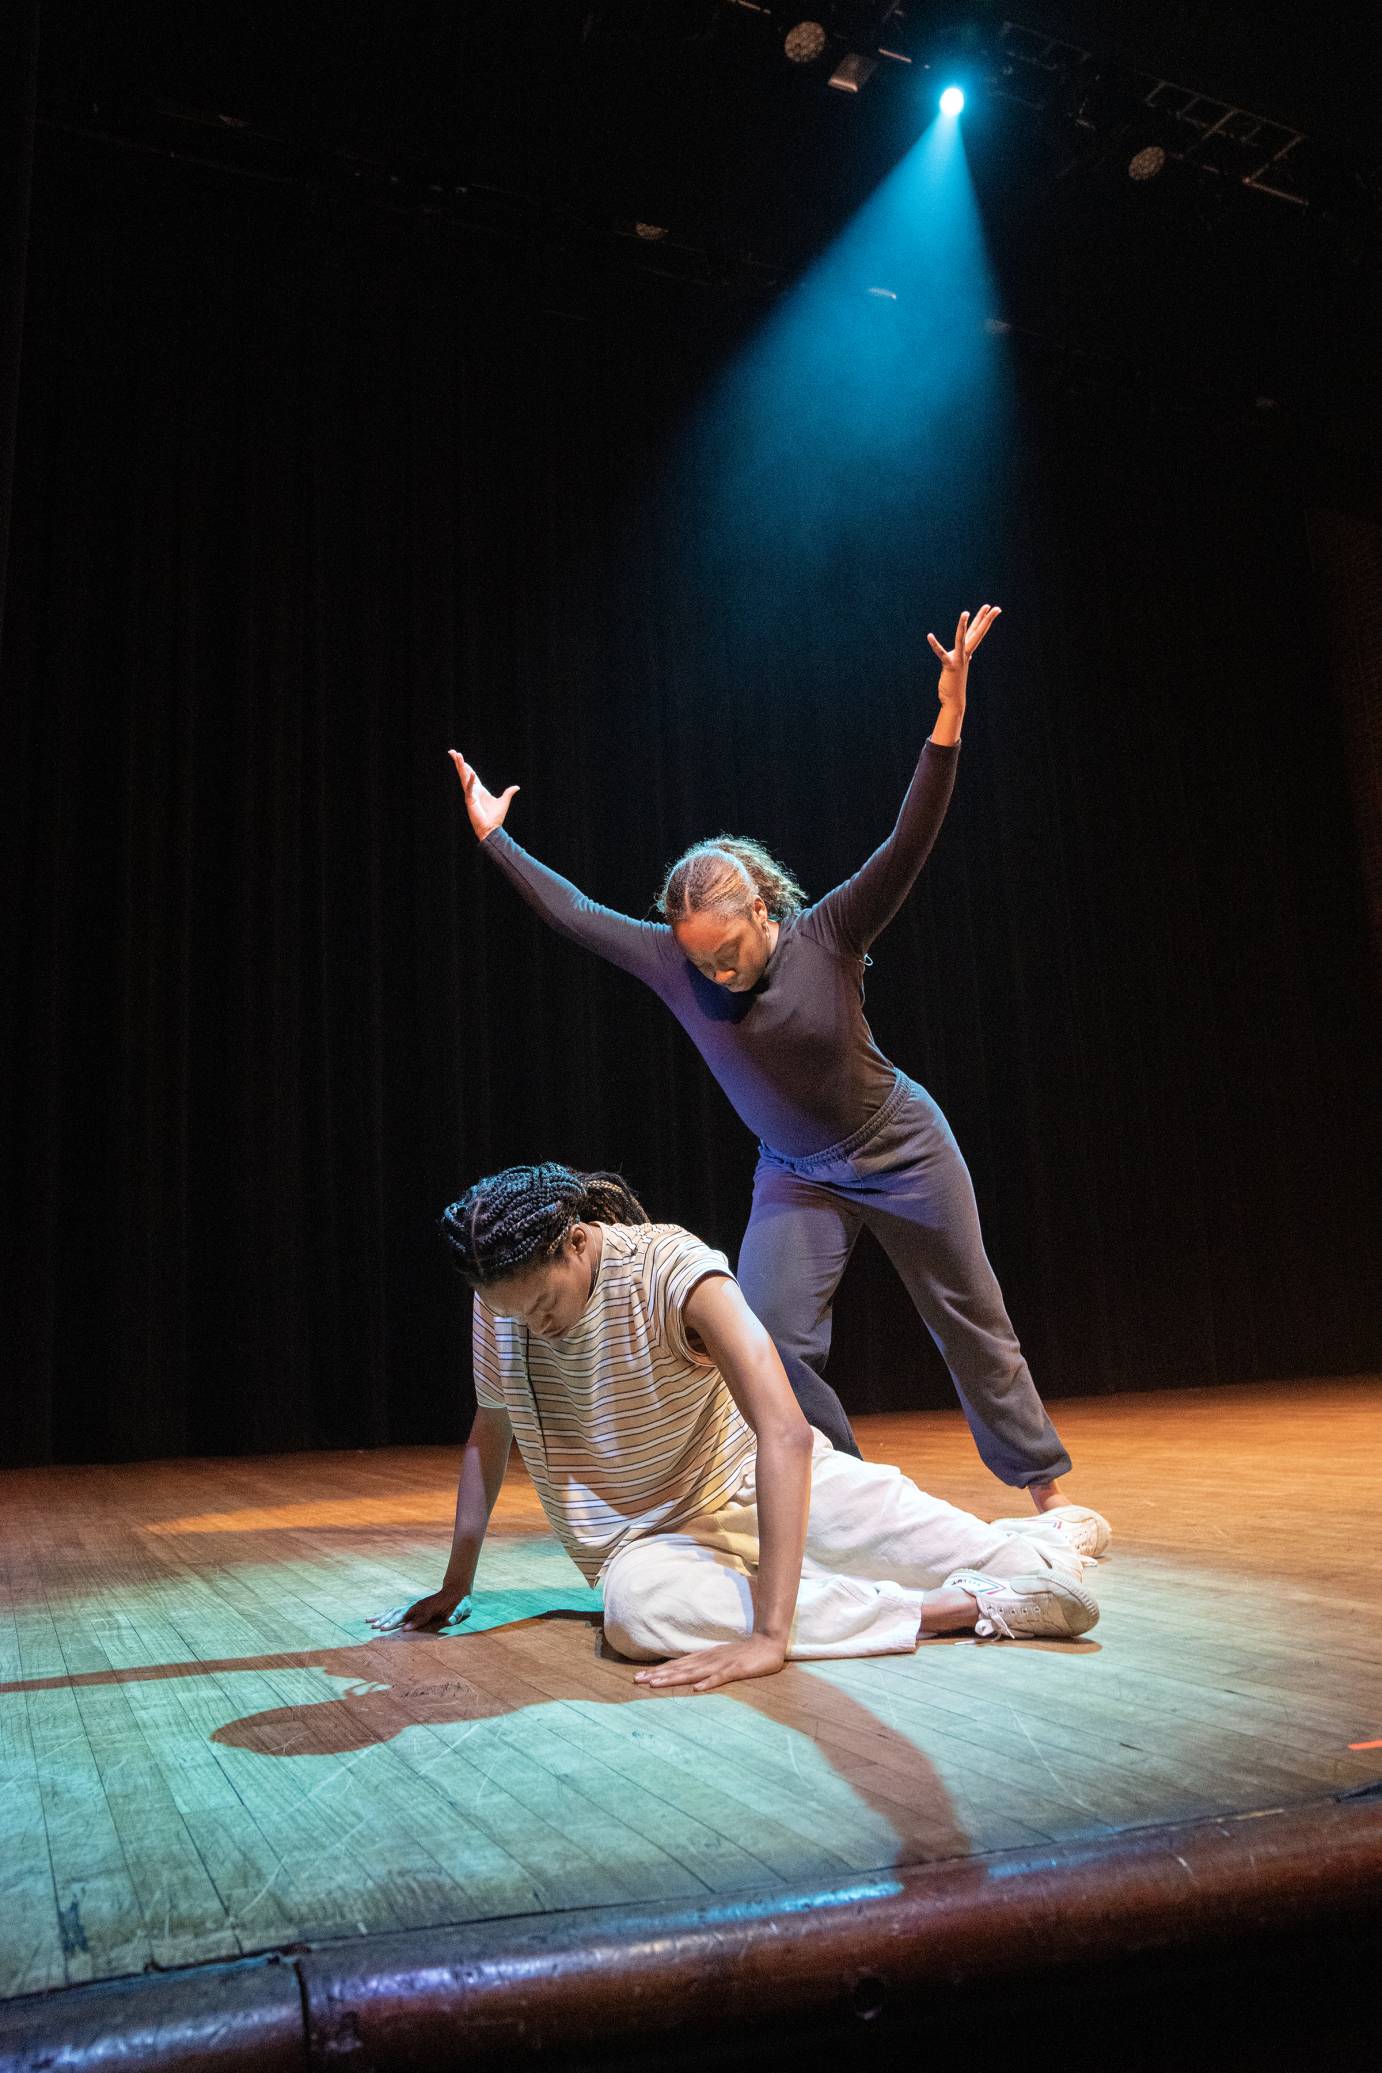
403	1681
399	1681
387	1674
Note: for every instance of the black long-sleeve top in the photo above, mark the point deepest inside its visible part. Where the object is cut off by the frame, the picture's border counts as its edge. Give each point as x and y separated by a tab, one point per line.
795	1054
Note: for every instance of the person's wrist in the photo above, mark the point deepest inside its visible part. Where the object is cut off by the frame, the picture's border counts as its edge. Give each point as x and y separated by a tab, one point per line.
949	721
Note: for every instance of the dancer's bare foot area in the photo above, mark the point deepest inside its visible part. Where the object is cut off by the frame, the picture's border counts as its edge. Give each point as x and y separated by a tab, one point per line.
948	1611
1045	1495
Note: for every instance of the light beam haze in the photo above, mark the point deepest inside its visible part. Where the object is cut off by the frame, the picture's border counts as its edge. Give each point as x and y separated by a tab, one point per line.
842	483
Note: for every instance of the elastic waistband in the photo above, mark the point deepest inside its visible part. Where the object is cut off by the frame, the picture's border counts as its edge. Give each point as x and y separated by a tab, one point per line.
847	1146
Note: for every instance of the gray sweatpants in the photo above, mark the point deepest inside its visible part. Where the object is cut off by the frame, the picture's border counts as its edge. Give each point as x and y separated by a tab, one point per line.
901	1177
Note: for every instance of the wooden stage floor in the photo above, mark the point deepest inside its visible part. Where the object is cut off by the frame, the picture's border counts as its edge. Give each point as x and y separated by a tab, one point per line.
205	1752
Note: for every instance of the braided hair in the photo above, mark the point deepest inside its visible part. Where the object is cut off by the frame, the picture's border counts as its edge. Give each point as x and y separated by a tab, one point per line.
725	875
518	1218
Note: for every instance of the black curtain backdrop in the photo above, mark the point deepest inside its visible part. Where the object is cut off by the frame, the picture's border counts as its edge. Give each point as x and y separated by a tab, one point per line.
302	498
19	43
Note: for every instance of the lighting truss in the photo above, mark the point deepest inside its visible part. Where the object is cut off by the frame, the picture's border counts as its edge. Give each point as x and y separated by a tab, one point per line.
1232	143
1270	148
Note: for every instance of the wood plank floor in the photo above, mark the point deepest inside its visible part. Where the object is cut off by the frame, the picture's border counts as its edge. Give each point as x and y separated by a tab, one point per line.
204	1750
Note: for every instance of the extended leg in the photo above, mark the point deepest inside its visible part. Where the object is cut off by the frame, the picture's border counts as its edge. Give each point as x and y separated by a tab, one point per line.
868	1519
671	1595
796	1247
924	1215
879	1553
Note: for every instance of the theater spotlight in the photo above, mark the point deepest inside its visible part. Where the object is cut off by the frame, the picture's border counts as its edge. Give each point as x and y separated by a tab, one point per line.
805	43
1147	163
952	101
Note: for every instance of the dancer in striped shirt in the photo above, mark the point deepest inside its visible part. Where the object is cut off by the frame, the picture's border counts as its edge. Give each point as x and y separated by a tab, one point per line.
674	1464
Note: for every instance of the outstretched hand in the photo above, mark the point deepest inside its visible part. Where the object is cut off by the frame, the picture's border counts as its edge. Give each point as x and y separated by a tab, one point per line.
955	661
437	1610
486	812
708	1668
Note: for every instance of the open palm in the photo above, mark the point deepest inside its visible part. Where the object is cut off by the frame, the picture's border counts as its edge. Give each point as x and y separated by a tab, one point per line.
955	661
486	812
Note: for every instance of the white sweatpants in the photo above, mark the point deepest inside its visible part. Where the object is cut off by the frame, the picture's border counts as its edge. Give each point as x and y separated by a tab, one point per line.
874	1544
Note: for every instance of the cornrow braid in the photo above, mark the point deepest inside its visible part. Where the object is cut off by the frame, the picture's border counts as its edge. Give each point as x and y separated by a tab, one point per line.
518	1217
725	874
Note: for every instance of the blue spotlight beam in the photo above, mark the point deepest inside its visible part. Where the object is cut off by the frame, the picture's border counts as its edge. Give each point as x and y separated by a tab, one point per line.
860	441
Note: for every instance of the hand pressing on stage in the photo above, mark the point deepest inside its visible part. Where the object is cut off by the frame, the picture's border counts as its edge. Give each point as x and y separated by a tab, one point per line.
439	1609
755	1656
955	671
486	812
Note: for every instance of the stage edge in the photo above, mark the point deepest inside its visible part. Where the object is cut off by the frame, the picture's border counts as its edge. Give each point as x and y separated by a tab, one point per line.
771	1965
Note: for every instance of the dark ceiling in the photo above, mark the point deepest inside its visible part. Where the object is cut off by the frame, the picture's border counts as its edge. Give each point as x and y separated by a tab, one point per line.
575	121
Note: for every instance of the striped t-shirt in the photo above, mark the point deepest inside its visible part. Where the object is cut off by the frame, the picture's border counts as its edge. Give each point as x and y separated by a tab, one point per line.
624	1427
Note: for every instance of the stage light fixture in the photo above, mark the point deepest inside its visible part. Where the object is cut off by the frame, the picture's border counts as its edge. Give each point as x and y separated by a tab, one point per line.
853	72
1147	163
952	101
805	43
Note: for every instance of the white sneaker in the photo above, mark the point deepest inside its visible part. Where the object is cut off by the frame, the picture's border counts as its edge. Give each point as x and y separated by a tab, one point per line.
1047	1606
1087	1531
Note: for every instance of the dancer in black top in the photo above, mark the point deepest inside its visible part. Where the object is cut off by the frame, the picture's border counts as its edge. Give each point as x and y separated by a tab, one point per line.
770	991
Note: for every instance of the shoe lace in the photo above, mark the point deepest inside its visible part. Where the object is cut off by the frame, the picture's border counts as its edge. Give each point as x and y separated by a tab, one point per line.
990	1623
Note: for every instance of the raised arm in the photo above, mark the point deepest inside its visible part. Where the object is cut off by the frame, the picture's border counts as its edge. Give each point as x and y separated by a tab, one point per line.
639	947
747	1359
857	911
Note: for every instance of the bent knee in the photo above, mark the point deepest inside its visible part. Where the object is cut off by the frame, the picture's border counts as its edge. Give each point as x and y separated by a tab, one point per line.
641	1596
630	1636
666	1597
628	1626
